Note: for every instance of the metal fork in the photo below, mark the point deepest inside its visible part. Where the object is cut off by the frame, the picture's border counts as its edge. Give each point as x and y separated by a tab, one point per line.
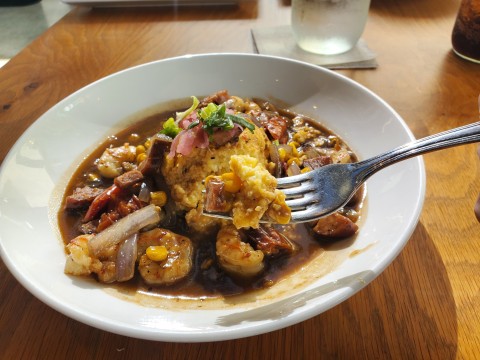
323	191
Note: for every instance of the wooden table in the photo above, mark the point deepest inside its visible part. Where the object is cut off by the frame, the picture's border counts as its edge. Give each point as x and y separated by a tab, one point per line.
427	302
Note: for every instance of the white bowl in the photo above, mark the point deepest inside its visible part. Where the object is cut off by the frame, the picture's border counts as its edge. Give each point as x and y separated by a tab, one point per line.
37	168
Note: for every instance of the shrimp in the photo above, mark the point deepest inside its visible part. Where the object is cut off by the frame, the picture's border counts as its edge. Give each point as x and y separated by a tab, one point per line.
235	256
175	267
110	164
81	262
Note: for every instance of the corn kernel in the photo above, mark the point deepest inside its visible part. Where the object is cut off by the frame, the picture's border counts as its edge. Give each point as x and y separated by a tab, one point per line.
271	167
140	149
306	169
279	212
157	253
141	157
294	148
232	182
282	154
148	143
294	160
158	198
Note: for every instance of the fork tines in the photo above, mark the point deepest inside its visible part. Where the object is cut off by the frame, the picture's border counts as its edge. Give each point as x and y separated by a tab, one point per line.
299	191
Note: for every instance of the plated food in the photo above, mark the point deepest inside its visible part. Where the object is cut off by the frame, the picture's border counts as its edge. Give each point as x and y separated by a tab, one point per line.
39	167
134	210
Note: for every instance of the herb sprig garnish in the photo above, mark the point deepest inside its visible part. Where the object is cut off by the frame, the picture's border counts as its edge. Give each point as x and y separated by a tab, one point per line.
214	117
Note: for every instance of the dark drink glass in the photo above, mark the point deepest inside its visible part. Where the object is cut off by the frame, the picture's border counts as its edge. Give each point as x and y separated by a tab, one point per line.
466	31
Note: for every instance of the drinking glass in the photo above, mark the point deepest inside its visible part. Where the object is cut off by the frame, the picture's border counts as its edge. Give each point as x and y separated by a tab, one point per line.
328	27
466	31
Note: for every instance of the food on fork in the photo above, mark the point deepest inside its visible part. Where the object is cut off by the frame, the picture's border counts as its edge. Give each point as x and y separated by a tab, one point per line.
248	191
133	211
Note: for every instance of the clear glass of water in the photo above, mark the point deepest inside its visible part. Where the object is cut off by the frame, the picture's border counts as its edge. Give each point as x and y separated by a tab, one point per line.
328	27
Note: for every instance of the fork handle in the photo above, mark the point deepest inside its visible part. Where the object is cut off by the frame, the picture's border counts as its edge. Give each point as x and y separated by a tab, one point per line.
458	136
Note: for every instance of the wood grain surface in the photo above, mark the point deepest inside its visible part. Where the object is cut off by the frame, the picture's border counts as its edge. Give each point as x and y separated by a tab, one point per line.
425	305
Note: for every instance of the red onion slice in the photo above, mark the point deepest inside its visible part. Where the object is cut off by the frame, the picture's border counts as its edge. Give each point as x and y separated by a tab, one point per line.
275	158
126	257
